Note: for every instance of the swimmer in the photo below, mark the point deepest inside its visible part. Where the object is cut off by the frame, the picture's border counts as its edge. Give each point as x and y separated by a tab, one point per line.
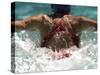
70	28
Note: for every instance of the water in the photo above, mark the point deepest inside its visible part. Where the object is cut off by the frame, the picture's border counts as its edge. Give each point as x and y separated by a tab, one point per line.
30	57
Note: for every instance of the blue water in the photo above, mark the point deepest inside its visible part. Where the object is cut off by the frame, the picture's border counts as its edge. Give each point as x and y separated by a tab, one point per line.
28	9
30	58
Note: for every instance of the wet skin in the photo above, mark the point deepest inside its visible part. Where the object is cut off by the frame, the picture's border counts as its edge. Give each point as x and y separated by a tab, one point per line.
59	40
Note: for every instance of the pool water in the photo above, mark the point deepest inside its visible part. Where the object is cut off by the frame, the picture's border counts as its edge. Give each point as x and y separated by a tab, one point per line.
29	57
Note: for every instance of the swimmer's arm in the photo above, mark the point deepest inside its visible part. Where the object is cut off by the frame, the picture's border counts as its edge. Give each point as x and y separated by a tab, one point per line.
31	22
18	25
88	22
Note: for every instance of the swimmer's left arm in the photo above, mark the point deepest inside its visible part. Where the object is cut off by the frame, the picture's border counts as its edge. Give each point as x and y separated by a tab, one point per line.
88	22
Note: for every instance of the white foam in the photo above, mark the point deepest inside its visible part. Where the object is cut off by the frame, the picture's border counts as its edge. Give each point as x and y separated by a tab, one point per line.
29	58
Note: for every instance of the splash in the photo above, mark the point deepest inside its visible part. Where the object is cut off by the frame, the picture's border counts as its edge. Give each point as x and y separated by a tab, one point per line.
30	57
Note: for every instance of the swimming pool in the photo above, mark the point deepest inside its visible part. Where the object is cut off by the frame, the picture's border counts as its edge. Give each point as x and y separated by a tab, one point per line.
29	57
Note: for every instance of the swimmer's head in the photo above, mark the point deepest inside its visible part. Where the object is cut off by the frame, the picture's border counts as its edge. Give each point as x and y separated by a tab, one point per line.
60	9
